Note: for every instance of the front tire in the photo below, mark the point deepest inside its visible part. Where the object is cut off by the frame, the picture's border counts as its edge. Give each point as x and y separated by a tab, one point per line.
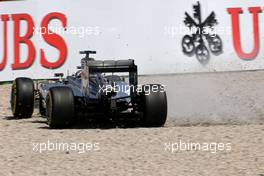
22	98
154	105
60	107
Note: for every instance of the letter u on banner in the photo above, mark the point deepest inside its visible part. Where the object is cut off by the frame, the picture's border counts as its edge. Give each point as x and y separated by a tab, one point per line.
236	32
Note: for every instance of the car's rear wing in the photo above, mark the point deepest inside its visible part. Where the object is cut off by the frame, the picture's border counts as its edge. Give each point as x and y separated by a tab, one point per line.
111	66
108	66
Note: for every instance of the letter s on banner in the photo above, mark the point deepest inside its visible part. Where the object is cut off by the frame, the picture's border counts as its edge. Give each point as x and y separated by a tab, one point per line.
54	40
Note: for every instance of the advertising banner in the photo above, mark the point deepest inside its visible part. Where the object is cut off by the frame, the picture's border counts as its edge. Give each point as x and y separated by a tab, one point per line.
39	38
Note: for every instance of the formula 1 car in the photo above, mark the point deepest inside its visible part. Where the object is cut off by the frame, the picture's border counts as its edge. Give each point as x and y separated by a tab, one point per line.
93	91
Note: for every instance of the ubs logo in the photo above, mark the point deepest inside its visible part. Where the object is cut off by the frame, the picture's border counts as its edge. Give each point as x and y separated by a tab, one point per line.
202	39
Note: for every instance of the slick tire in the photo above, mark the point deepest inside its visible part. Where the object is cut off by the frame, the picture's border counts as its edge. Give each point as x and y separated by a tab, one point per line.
22	98
60	107
154	105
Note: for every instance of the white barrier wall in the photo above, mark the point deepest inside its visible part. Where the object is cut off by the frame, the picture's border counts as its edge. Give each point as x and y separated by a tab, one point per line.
152	32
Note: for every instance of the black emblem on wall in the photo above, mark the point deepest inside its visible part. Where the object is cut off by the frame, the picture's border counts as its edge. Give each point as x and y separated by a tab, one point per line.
202	39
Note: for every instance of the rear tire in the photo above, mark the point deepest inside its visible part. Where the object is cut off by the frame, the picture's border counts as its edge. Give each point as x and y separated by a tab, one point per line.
154	105
22	98
60	107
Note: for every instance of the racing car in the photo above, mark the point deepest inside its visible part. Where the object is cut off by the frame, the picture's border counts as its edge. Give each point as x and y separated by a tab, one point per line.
94	90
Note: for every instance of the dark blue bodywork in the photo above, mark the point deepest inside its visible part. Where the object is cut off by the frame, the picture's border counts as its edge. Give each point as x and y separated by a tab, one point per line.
94	86
75	83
